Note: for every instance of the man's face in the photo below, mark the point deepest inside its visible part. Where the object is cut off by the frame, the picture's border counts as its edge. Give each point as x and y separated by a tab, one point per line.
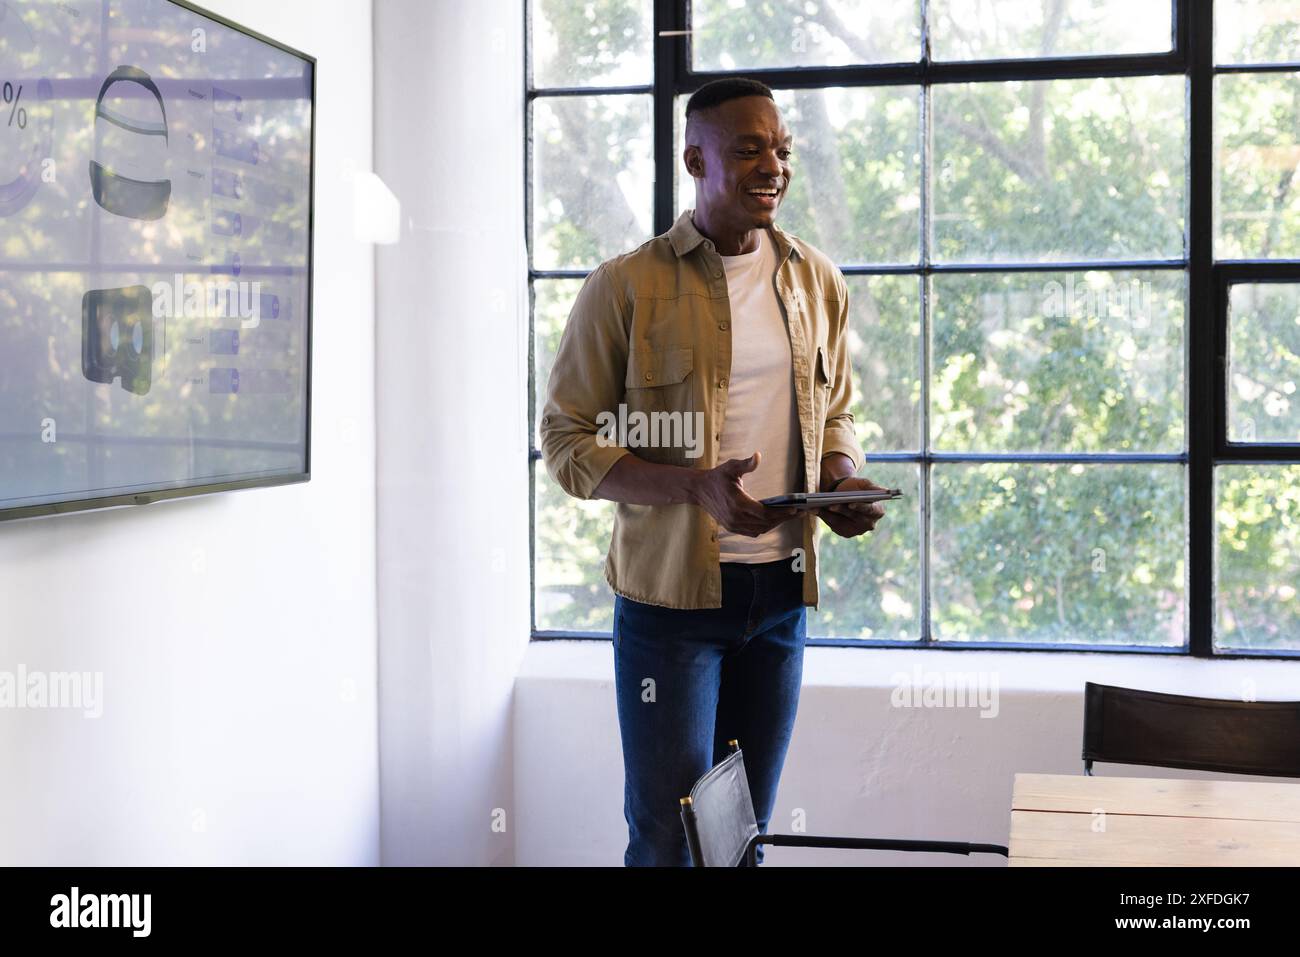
739	154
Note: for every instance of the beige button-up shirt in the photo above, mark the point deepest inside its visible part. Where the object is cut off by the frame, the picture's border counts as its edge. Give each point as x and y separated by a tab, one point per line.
651	331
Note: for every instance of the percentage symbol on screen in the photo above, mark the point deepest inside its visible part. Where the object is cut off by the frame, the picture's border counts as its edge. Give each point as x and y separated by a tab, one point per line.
12	100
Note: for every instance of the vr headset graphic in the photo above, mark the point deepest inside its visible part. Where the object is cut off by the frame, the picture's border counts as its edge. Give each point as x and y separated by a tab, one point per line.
117	337
115	192
117	324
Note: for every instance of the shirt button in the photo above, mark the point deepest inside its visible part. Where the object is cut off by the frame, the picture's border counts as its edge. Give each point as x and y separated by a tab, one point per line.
722	383
649	376
722	326
717	274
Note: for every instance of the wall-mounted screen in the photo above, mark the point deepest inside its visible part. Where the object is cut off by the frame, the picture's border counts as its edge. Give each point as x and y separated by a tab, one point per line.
155	255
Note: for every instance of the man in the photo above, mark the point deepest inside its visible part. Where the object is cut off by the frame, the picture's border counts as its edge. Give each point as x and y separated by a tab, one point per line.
722	344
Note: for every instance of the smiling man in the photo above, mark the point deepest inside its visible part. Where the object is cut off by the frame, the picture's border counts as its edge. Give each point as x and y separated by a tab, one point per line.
730	320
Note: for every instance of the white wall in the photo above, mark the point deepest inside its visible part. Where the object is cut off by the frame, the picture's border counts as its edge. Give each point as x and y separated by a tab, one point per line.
452	410
857	766
239	722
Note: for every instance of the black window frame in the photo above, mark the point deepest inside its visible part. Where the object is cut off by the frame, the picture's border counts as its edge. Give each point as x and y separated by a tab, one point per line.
1191	55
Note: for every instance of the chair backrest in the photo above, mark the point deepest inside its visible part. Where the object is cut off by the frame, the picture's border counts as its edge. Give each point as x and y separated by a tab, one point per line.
719	814
1129	726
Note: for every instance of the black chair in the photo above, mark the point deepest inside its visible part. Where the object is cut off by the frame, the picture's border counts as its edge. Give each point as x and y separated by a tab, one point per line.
722	831
1129	726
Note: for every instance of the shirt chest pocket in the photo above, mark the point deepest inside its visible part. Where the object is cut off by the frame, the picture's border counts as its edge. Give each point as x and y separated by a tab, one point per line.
649	369
662	421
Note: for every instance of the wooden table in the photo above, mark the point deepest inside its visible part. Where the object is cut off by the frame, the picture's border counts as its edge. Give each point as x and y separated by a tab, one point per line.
1079	821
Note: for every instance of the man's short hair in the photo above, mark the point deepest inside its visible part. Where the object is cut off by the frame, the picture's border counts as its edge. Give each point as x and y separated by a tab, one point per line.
717	92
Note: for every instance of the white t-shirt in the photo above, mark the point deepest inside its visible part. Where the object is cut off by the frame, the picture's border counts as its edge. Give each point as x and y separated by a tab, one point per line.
761	413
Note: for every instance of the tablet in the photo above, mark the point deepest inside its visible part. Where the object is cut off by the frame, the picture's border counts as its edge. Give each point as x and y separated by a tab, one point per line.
822	499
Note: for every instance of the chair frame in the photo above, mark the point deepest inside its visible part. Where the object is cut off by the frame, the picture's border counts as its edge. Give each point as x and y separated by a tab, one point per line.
750	856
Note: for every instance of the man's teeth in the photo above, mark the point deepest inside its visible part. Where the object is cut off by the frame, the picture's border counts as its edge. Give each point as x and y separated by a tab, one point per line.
764	192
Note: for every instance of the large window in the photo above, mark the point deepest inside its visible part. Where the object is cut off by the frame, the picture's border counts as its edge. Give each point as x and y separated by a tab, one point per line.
1071	235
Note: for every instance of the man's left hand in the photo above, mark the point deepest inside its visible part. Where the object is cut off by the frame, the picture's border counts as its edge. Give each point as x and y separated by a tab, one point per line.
850	521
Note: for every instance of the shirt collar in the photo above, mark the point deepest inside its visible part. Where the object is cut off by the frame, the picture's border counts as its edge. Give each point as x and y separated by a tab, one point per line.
684	237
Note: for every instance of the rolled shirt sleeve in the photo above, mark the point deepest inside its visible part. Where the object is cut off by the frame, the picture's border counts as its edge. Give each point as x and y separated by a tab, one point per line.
587	378
838	432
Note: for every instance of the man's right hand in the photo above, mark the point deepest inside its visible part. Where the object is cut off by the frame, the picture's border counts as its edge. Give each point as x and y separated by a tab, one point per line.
720	491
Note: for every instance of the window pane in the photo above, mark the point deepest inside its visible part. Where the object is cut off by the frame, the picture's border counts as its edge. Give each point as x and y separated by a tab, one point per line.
1256	31
684	182
871	585
1058	553
735	35
1257	558
1060	170
1057	362
605	43
572	537
855	186
1012	29
593	178
1263	362
1257	146
553	301
885	350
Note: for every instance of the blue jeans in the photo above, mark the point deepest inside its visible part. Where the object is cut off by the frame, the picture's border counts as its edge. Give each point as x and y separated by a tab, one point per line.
717	674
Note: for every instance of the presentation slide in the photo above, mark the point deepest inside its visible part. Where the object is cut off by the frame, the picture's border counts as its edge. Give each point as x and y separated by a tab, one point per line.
155	252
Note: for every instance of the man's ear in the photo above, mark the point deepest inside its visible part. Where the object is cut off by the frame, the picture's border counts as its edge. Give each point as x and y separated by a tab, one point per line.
694	159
